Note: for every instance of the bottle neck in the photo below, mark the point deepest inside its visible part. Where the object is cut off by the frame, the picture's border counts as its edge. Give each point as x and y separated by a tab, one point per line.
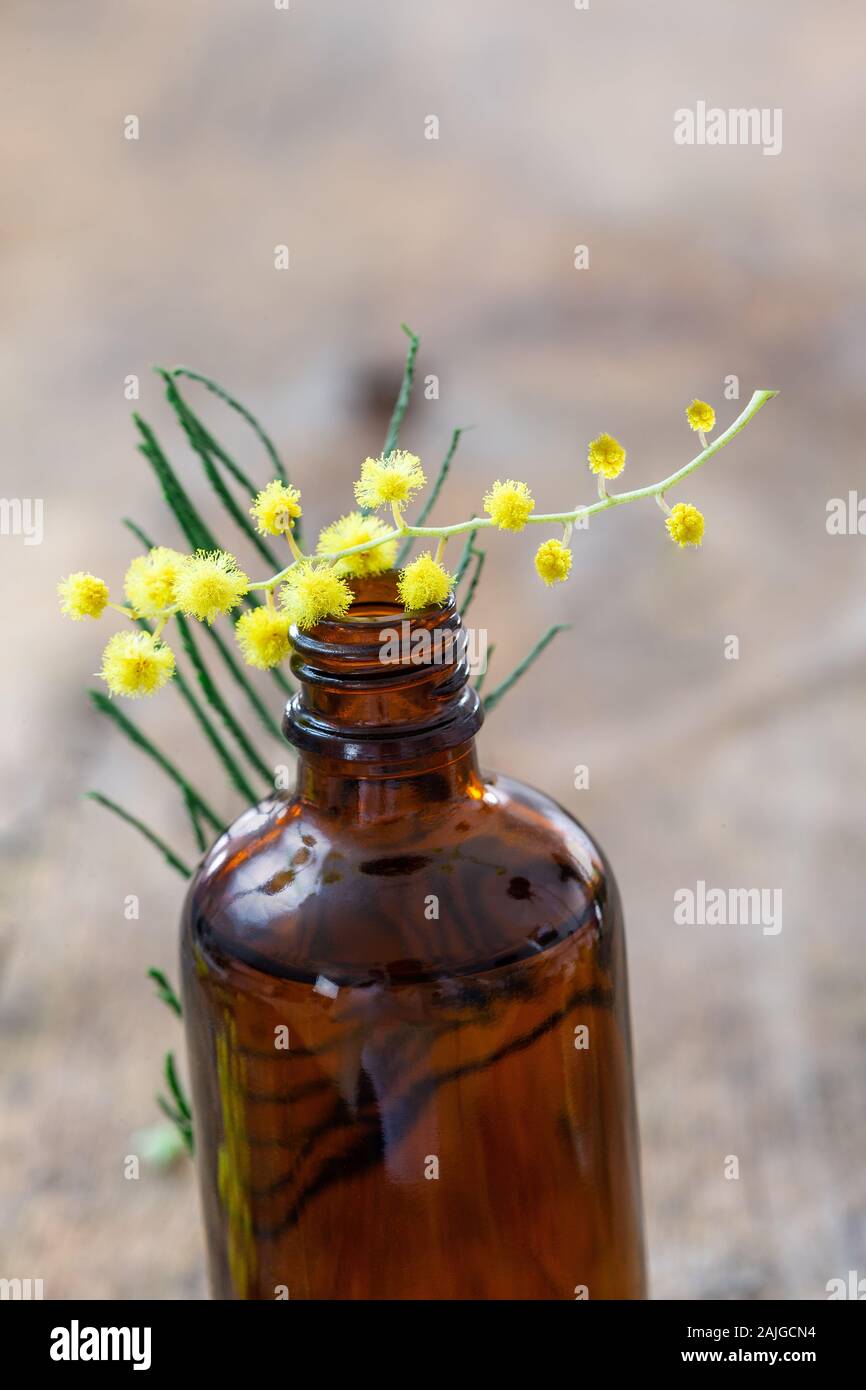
384	715
368	793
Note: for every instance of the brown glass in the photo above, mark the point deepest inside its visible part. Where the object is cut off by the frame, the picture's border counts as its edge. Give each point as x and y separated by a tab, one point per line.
406	1007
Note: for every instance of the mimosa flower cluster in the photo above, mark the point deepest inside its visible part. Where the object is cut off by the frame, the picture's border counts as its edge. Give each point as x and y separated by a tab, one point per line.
316	586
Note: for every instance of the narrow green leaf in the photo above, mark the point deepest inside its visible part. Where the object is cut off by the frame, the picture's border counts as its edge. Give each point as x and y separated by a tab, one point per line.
402	404
466	556
198	440
230	766
483	676
192	812
480	557
165	991
165	850
189	420
241	410
194	799
496	695
175	1087
236	671
183	1126
215	700
198	536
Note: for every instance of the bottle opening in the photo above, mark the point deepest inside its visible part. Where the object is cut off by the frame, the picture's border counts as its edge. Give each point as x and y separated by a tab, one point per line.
382	676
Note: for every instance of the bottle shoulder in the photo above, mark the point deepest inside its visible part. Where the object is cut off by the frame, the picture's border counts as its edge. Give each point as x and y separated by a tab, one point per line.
453	887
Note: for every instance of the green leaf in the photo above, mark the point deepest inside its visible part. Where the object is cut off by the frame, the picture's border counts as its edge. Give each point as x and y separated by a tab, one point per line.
496	695
195	822
218	704
183	1126
175	1087
230	766
165	850
197	534
402	404
201	444
179	1113
466	556
165	991
242	410
480	557
483	676
237	674
195	801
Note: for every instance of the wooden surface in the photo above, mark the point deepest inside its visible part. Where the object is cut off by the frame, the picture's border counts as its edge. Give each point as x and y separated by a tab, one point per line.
307	128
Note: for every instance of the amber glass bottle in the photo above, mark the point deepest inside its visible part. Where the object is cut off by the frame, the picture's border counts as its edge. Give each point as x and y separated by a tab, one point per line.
406	1007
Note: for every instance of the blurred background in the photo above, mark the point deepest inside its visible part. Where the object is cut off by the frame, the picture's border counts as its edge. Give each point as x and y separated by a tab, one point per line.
306	128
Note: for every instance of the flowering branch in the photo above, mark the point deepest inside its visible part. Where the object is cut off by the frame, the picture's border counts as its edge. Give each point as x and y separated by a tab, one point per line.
165	583
477	523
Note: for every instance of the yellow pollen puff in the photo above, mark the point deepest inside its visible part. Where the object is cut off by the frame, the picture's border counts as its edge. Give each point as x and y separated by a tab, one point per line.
701	416
82	595
353	530
424	582
553	561
150	580
209	583
275	508
263	637
685	524
387	480
606	456
136	664
314	592
509	504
